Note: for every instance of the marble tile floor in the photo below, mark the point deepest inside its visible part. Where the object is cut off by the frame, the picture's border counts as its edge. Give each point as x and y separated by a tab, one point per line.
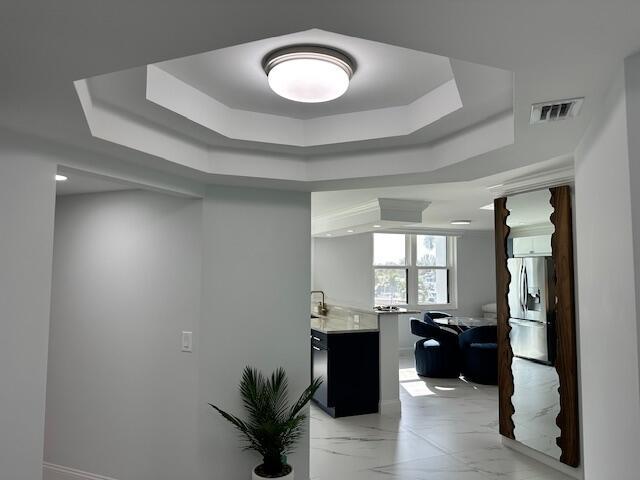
448	431
537	404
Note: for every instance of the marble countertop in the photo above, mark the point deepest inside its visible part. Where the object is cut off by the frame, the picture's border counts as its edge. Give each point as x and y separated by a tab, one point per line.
466	321
399	311
332	325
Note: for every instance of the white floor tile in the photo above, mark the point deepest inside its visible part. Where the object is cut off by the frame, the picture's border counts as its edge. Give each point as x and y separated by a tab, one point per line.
448	430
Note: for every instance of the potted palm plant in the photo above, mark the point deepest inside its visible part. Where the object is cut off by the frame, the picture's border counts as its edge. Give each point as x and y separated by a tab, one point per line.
273	425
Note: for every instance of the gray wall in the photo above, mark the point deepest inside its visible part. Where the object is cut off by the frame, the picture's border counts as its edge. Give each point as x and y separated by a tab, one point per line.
632	93
608	322
342	268
134	269
255	311
126	282
476	272
27	198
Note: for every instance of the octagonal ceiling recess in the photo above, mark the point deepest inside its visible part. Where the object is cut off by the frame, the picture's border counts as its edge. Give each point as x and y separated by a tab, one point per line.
395	91
182	109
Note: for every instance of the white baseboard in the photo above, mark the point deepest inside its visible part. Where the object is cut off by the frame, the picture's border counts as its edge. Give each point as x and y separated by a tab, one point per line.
390	408
51	471
576	473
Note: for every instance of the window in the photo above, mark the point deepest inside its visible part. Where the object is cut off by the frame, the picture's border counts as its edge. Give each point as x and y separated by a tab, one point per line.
389	252
412	269
391	286
433	282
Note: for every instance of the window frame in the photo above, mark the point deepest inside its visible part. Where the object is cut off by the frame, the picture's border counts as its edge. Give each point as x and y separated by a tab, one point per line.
412	269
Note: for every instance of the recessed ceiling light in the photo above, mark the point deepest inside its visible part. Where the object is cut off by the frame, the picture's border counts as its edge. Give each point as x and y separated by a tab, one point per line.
308	73
328	234
377	226
350	231
487	207
61	178
461	222
495	186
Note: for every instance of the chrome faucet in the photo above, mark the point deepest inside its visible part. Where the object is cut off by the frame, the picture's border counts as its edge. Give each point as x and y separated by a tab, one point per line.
321	308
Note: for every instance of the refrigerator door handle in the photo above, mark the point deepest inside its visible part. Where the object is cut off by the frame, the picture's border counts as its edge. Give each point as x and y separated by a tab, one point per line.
520	297
525	289
520	287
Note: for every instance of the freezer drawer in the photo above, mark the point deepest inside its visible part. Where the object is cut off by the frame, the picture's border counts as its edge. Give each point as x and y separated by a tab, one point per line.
529	339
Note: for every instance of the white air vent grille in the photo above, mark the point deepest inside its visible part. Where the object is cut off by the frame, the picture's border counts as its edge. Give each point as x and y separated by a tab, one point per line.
556	110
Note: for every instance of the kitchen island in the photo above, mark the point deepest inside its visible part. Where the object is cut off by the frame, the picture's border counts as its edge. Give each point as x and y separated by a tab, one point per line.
345	354
390	359
364	368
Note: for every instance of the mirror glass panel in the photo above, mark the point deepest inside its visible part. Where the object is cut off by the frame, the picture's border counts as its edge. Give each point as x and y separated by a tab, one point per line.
531	298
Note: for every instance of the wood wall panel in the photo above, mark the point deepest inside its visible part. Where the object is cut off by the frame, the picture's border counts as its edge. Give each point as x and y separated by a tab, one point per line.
505	354
566	360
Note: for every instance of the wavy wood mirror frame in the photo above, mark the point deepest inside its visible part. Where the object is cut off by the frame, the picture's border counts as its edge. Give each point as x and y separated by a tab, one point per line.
566	360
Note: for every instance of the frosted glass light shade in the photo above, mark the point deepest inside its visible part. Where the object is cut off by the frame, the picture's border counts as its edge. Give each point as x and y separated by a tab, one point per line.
310	75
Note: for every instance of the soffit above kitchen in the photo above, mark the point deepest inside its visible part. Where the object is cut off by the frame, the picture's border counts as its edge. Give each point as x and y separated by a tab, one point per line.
437	206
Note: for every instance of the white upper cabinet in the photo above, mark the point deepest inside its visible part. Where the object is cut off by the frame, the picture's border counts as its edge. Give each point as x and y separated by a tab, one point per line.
531	246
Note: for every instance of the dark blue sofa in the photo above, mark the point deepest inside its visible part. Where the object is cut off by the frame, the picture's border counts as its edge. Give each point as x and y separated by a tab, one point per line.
437	352
479	354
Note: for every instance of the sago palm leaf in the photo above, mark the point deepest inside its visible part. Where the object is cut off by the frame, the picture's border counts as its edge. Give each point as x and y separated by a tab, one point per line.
278	393
305	397
243	428
273	427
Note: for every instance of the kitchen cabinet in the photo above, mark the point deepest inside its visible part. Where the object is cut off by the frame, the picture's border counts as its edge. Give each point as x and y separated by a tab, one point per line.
349	364
320	369
531	246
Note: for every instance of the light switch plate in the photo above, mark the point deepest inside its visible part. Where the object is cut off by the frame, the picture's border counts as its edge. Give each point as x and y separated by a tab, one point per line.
187	342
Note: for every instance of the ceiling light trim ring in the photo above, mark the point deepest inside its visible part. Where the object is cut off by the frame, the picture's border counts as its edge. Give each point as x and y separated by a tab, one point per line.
314	52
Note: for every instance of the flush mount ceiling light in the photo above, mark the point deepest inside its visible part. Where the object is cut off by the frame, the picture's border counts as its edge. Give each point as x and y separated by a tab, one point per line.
308	73
61	178
461	222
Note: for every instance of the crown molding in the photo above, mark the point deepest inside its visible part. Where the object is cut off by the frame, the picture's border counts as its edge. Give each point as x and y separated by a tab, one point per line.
384	211
532	230
538	180
402	210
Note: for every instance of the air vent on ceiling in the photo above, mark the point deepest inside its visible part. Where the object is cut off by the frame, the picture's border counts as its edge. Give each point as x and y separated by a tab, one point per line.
556	110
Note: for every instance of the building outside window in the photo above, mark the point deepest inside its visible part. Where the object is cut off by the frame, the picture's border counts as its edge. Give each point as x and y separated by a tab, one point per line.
414	269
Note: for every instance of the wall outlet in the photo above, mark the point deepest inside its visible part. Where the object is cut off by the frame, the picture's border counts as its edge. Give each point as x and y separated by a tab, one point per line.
356	319
187	342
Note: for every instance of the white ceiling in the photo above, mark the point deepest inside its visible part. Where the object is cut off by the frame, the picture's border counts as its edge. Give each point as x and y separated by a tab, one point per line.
556	50
398	97
81	182
530	209
385	75
448	202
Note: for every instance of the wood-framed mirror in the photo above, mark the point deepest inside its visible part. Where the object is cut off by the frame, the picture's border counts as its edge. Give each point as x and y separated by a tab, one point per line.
537	359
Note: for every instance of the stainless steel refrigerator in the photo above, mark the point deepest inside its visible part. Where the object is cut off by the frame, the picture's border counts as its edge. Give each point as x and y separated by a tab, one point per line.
532	308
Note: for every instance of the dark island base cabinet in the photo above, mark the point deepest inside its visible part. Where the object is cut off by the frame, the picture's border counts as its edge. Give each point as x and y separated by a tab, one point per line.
349	365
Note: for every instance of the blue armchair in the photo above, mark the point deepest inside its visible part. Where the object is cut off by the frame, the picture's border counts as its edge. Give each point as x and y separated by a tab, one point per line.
437	352
429	317
479	354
